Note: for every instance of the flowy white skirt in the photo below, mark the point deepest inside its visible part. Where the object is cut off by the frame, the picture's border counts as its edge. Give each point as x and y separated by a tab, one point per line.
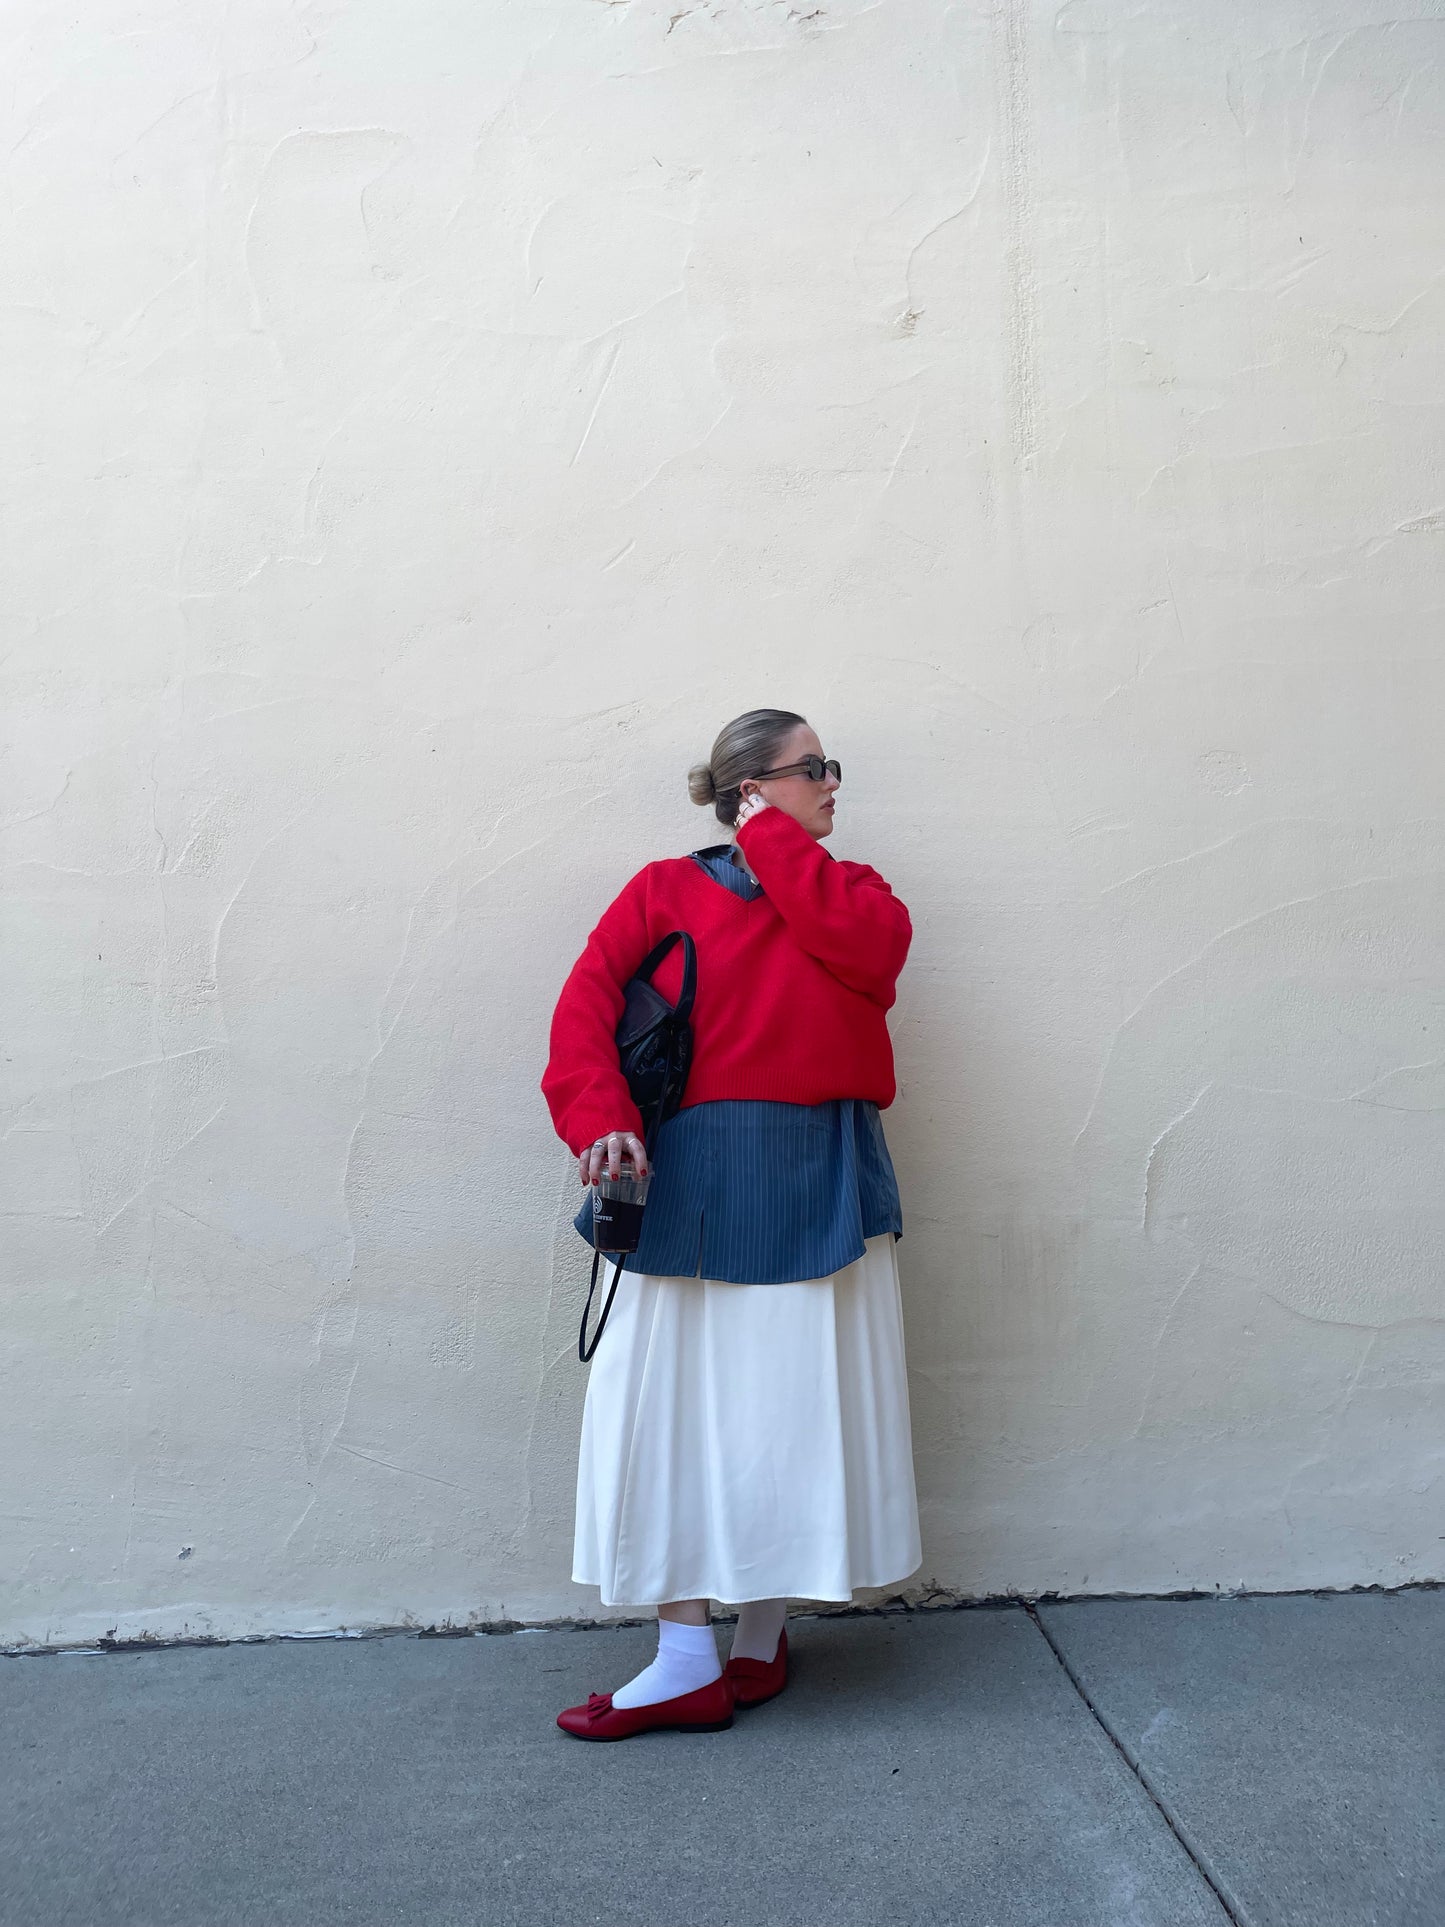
749	1441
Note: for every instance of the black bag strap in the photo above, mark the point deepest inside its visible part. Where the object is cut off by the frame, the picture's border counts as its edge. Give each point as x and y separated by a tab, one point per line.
683	1007
650	1137
584	1349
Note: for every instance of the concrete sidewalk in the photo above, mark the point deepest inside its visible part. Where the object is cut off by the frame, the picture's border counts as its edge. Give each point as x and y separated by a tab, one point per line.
1134	1763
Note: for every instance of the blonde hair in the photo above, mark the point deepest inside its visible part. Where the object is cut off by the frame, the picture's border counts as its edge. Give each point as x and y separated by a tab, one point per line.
746	746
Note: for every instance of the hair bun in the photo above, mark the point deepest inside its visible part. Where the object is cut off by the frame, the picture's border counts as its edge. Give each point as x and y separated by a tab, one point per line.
700	785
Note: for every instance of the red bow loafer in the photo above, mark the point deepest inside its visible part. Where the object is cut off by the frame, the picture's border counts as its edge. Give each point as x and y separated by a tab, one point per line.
756	1680
708	1710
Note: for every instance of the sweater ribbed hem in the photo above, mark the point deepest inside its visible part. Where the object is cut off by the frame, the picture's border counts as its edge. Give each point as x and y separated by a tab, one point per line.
778	1087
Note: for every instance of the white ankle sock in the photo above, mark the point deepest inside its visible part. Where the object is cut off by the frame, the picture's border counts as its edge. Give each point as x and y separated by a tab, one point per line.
686	1659
760	1626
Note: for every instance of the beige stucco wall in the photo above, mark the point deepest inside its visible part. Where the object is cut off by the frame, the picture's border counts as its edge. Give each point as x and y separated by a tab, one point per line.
424	426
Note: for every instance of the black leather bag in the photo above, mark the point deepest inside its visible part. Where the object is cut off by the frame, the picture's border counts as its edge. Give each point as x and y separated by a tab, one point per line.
654	1037
654	1050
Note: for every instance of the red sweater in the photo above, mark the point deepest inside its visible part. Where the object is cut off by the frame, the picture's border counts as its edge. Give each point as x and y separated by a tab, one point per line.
791	988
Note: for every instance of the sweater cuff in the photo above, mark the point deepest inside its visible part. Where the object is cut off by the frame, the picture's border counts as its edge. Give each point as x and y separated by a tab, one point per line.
586	1127
756	828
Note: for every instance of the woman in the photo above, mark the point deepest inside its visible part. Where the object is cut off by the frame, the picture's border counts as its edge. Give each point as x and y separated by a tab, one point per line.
745	1435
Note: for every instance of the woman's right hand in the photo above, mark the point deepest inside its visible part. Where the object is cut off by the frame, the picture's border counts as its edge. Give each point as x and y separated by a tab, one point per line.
608	1151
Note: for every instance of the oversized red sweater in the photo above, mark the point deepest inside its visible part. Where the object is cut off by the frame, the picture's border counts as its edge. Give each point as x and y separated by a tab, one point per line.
791	988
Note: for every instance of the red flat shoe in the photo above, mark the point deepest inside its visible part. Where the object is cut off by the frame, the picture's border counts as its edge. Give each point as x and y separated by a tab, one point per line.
756	1680
708	1710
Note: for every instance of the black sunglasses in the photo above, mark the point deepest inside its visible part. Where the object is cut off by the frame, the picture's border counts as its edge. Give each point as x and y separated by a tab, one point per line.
815	766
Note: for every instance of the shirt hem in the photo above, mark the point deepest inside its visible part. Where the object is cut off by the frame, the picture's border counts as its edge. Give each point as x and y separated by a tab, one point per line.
634	1270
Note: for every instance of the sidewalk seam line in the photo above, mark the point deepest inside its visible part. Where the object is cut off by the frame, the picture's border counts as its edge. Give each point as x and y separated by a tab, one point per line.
1135	1769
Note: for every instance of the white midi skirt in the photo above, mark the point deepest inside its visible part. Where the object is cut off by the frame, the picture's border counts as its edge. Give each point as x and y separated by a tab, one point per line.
749	1441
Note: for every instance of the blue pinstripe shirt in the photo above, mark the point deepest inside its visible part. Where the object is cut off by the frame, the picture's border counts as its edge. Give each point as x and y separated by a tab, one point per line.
759	1193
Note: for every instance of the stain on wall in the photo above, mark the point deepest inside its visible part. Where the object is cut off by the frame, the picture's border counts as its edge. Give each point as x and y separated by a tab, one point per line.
421	432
